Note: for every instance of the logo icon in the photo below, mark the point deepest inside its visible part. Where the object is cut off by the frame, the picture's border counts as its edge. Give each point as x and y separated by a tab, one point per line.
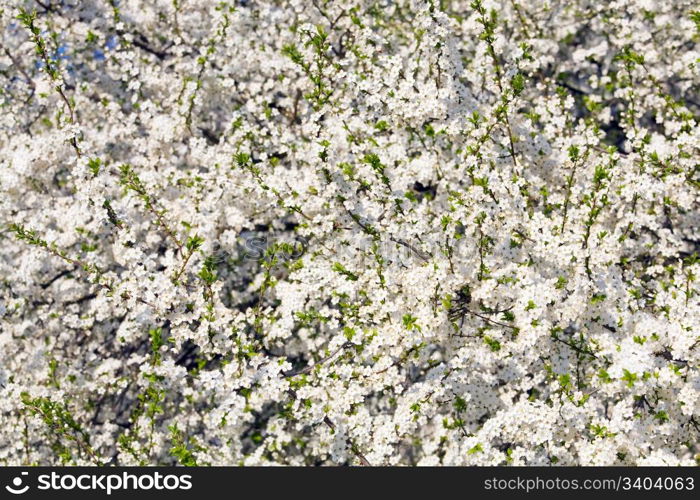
17	482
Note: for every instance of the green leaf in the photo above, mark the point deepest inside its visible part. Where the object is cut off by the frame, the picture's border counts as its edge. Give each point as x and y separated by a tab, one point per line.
194	243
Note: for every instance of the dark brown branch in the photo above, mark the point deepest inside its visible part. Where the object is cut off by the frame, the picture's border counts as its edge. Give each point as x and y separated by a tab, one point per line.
309	368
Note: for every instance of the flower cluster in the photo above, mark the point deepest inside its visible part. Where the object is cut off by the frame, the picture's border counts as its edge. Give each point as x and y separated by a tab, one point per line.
349	232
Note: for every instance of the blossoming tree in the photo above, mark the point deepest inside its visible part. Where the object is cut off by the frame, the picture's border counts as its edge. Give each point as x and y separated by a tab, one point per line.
349	232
